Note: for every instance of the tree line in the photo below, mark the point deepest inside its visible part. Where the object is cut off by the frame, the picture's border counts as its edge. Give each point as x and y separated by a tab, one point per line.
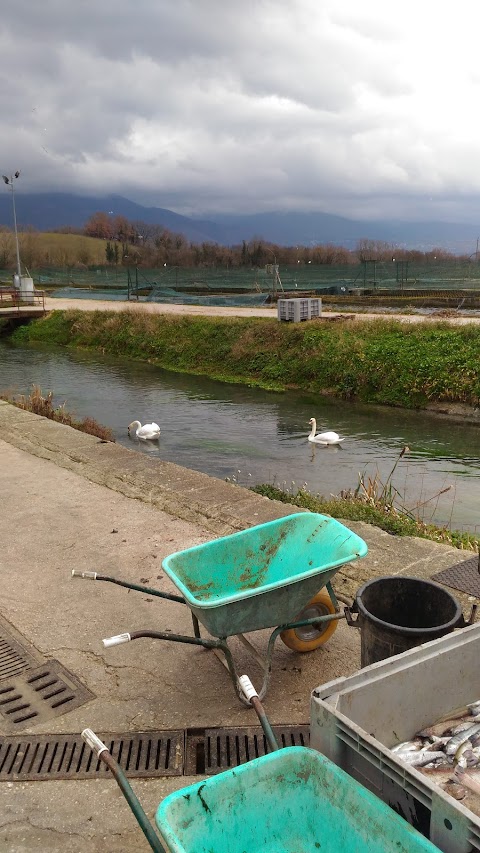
138	243
155	245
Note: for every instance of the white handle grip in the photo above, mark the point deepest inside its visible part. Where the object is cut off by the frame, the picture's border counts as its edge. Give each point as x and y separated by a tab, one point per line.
247	687
116	641
92	576
93	742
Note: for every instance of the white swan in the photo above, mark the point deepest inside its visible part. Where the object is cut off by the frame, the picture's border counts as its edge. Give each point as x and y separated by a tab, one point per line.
323	437
147	432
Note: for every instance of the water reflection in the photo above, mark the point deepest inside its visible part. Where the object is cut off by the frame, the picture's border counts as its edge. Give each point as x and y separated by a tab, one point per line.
255	436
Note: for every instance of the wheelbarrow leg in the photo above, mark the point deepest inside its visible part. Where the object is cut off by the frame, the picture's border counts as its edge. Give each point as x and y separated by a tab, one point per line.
329	588
196	626
225	656
271	644
102	753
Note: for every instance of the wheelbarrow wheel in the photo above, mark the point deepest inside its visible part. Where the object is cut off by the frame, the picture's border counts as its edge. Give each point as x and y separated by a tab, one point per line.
309	637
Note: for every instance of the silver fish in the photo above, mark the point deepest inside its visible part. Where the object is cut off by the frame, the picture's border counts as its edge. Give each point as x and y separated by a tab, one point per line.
464	756
464	726
476	752
460	738
468	758
445	727
420	757
437	742
408	745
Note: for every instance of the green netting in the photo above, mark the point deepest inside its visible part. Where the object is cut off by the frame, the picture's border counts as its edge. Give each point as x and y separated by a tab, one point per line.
168	281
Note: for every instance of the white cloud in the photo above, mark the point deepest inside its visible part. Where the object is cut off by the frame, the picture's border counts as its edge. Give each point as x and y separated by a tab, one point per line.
355	109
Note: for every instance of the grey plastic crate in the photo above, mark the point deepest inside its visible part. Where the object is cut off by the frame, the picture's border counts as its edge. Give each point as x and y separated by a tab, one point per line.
298	309
355	721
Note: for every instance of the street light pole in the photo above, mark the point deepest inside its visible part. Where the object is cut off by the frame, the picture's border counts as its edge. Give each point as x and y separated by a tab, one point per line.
9	182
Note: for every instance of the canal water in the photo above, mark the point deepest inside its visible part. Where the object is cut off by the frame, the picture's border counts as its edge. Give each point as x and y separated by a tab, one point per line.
252	436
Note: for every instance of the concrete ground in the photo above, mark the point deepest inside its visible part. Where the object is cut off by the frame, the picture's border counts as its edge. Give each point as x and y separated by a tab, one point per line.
72	502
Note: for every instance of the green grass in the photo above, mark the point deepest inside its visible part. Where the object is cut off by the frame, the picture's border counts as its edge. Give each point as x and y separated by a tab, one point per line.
355	509
44	249
380	361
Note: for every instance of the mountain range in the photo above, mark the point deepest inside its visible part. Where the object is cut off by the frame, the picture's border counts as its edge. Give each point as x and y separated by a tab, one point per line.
50	211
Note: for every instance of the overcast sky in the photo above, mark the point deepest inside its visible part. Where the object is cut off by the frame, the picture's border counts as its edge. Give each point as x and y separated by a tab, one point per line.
363	108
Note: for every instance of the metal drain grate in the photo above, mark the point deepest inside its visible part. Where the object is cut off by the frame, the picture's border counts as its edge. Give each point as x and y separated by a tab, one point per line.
49	757
464	576
215	750
40	694
16	655
141	754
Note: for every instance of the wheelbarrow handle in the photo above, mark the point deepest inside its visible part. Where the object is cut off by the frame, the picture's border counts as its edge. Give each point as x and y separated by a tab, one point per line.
90	576
95	576
117	640
251	694
103	754
96	745
247	687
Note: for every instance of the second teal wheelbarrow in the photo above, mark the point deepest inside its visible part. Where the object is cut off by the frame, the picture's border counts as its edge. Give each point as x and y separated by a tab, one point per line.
291	800
274	575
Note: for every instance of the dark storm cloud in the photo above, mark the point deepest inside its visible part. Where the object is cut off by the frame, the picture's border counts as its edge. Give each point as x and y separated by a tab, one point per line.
267	105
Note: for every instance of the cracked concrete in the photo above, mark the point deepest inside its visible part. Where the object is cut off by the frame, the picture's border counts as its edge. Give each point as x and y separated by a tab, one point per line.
67	504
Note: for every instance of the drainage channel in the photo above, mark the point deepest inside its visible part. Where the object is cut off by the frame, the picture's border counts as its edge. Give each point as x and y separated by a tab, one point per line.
188	752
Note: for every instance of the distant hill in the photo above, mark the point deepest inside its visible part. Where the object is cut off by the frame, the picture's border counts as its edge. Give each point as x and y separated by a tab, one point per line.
305	229
50	211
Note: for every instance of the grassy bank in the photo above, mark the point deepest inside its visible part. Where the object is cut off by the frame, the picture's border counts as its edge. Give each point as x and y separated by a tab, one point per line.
353	508
381	361
42	404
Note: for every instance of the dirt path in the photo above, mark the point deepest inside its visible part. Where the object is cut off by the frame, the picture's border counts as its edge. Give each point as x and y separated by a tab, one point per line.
53	304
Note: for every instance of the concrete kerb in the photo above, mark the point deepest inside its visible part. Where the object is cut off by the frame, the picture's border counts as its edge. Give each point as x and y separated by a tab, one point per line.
222	507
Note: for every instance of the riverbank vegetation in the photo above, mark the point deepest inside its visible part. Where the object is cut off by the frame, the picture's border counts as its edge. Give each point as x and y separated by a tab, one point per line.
41	404
379	503
354	506
376	361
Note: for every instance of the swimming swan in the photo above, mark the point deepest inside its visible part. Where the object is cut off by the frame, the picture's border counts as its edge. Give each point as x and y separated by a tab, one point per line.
323	437
146	432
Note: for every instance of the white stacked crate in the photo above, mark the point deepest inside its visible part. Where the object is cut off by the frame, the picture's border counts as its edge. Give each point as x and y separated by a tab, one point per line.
298	309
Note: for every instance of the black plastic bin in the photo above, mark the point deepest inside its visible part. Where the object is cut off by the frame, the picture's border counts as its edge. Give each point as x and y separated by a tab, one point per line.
396	613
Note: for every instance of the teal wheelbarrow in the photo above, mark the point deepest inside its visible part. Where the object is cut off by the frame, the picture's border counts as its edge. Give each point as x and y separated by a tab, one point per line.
275	575
291	800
